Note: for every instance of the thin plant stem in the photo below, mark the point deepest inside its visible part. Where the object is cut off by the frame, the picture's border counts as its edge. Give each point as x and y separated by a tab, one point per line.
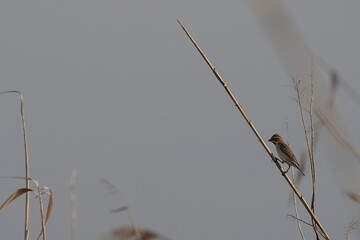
306	223
297	88
26	152
337	134
43	224
299	219
73	199
115	190
354	224
312	132
309	146
317	126
296	209
247	119
312	150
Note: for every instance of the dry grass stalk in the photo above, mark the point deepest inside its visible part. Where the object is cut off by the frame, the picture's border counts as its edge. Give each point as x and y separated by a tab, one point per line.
296	210
112	189
303	155
337	134
40	192
43	221
27	175
301	108
295	218
354	224
353	196
73	199
292	193
310	144
44	218
312	134
247	119
127	233
300	220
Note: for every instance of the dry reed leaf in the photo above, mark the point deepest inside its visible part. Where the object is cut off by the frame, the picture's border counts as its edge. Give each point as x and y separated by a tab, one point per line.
15	195
49	208
25	178
111	188
128	233
353	196
120	209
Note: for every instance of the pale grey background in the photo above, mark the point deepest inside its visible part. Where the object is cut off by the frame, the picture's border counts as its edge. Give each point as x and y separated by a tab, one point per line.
115	89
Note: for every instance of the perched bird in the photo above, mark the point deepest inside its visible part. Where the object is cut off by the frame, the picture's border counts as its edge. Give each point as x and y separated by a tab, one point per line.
284	152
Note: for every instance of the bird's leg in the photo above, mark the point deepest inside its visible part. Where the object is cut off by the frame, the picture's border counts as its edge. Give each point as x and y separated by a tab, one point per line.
285	172
287	169
278	159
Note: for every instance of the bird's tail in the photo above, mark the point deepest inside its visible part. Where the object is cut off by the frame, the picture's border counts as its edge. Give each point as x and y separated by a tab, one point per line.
300	170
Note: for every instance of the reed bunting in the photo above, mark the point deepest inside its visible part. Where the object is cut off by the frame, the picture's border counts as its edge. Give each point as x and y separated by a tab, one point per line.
284	152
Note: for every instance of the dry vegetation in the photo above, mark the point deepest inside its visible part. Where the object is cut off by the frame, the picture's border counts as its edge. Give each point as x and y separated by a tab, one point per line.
312	120
310	129
40	191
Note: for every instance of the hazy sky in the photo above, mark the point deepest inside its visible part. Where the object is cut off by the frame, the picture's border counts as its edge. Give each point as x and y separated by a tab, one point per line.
115	89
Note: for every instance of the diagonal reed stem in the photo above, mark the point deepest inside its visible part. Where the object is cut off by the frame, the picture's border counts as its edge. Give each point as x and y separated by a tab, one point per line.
247	119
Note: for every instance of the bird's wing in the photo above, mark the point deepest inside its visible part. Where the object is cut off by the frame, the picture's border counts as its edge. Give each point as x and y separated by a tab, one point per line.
286	150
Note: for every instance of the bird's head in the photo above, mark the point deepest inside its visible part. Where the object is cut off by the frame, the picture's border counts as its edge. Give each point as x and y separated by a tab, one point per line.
275	138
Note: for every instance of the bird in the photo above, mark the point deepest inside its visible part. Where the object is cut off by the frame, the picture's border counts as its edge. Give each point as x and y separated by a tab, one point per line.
285	153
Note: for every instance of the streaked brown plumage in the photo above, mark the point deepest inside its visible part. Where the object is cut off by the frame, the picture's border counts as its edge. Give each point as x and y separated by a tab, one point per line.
284	152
